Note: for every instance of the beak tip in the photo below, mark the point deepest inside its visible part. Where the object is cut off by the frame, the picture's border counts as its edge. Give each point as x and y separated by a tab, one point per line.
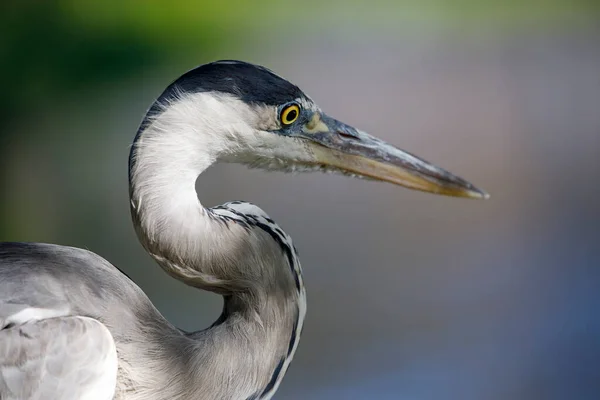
479	194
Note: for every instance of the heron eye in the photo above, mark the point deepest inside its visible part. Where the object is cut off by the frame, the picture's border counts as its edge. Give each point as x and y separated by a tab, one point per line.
289	114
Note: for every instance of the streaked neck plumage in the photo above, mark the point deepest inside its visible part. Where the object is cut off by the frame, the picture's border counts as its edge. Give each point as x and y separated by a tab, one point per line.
235	250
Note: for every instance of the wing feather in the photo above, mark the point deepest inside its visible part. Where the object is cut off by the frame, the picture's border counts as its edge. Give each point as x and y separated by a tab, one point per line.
64	358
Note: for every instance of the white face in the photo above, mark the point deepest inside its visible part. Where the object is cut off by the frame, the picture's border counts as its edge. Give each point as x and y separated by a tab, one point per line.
268	137
294	136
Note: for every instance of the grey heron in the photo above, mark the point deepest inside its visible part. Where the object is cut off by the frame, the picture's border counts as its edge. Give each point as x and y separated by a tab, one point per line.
73	326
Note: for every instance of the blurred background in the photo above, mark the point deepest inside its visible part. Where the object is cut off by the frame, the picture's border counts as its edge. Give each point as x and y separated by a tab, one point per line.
411	296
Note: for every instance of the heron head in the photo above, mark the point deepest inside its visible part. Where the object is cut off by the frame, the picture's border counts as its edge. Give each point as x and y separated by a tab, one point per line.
267	122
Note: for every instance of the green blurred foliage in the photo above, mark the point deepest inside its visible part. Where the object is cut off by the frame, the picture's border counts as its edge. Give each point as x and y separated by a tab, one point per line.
50	49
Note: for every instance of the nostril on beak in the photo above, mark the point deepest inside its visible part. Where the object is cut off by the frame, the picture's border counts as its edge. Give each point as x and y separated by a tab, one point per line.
345	135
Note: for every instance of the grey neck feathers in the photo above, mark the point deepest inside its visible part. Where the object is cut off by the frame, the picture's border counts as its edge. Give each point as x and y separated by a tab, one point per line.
246	352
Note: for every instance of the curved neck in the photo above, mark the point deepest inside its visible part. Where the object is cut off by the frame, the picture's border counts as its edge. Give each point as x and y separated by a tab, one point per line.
165	160
249	348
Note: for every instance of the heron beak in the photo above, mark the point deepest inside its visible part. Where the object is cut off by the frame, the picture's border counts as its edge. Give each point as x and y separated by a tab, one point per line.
343	147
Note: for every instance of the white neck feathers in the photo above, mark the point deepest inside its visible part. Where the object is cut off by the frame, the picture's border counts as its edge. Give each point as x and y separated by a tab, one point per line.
202	250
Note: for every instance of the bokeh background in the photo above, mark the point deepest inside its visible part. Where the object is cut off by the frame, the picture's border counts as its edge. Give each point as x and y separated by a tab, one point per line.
411	296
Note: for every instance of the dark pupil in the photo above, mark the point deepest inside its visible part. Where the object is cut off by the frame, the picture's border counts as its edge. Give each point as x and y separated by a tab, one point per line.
291	115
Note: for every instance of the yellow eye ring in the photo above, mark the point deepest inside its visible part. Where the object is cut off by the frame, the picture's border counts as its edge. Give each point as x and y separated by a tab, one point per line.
289	114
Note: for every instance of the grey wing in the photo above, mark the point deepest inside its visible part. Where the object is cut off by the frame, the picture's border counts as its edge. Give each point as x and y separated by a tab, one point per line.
60	358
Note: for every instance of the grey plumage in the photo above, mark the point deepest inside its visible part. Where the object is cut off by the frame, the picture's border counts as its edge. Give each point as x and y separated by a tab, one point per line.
58	281
64	311
59	357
